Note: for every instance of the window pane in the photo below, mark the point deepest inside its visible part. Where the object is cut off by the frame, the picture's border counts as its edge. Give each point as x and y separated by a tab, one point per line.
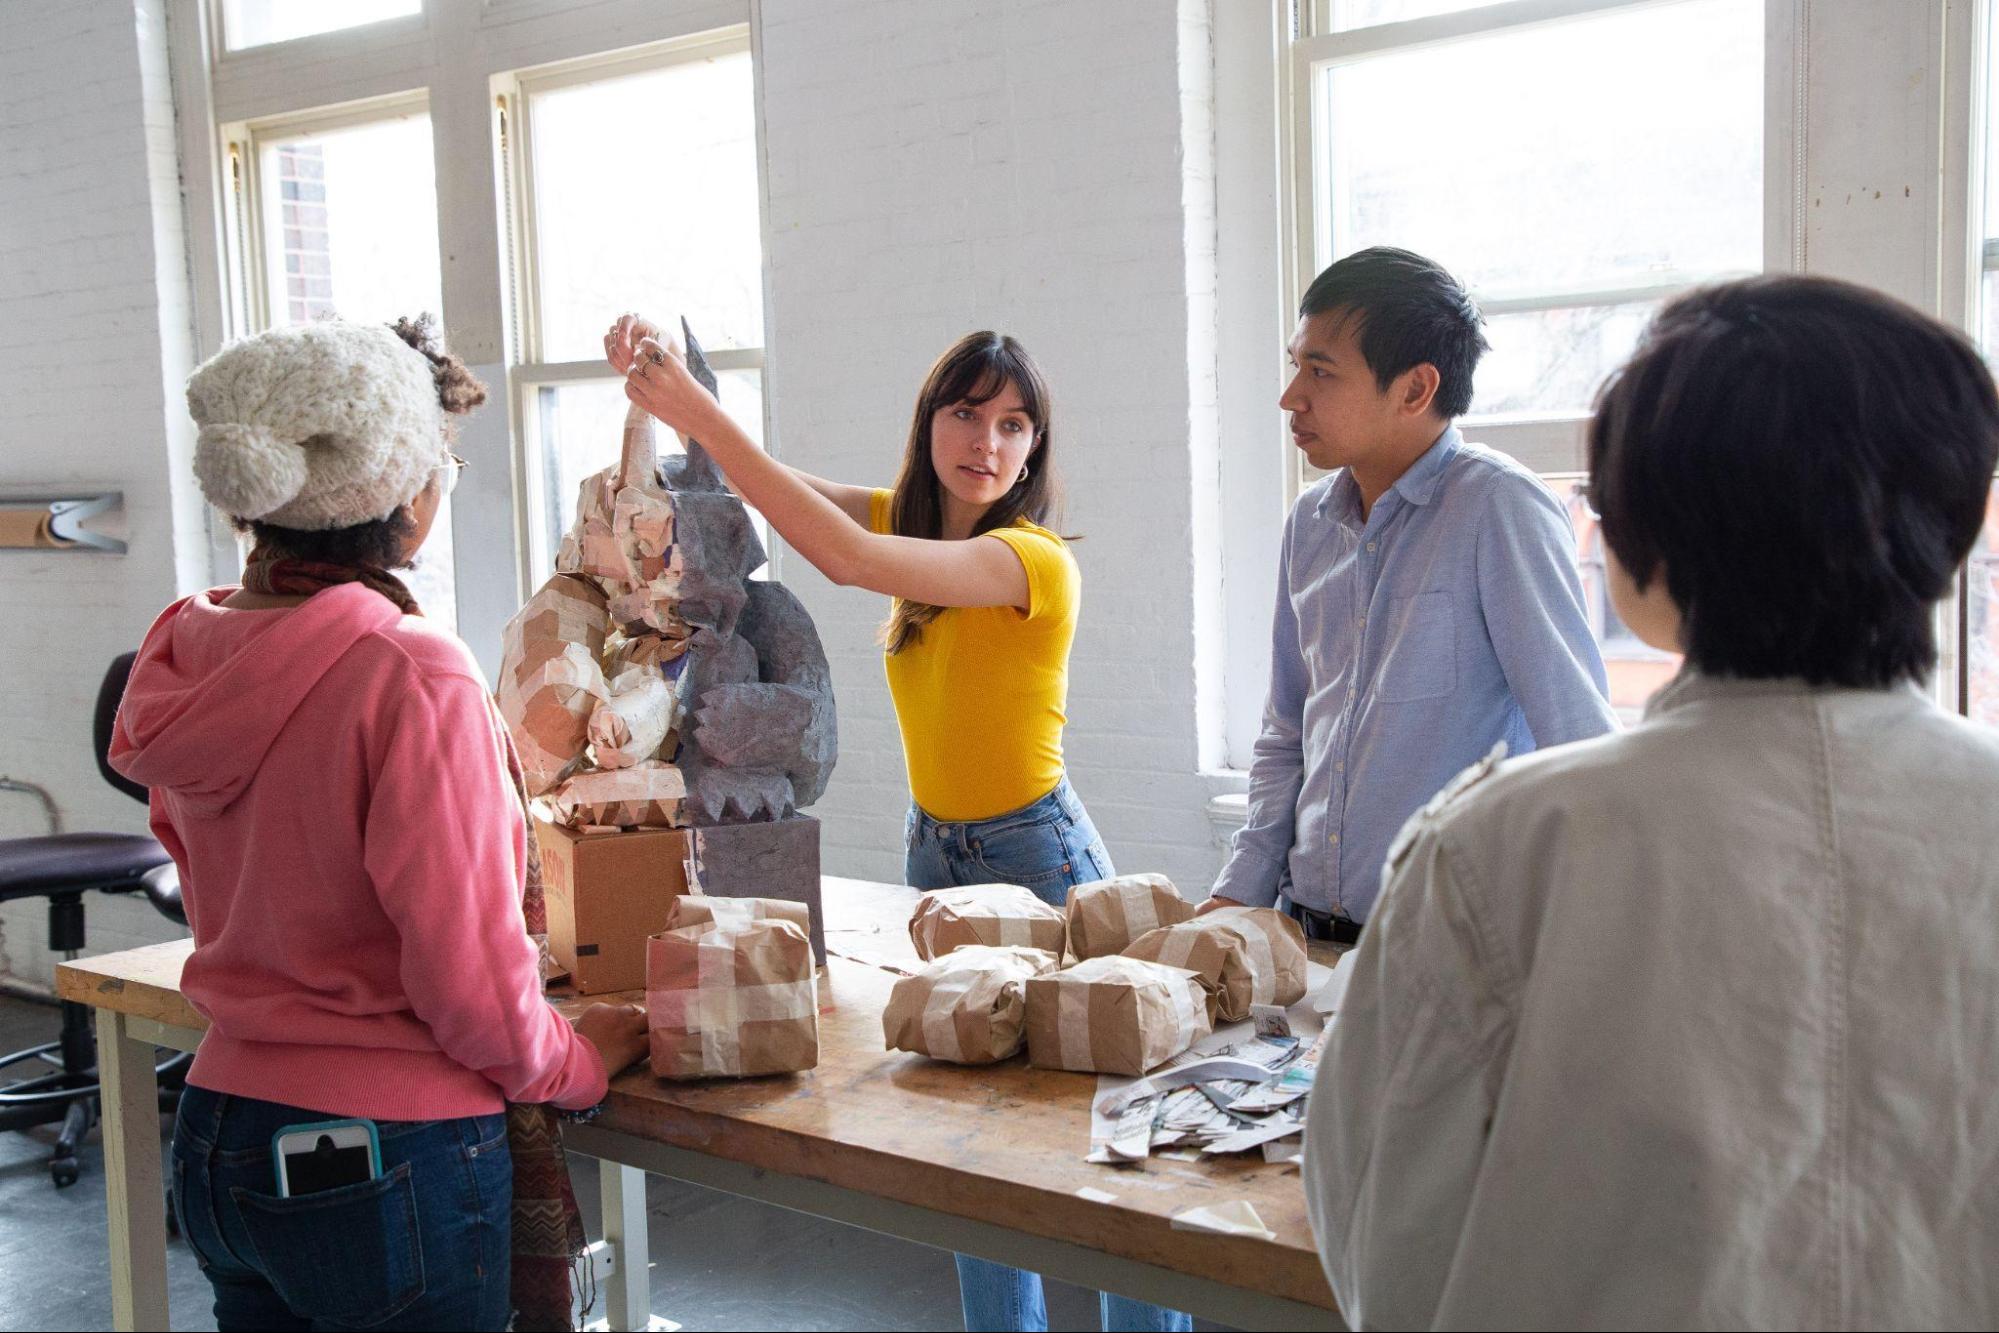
674	232
1552	361
350	222
1636	671
350	231
1349	14
1568	157
1982	618
248	23
582	430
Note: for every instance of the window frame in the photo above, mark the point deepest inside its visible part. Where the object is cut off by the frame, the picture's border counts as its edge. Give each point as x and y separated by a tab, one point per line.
1549	443
532	371
459	55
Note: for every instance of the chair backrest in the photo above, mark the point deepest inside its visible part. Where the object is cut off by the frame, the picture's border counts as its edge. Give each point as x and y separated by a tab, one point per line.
109	694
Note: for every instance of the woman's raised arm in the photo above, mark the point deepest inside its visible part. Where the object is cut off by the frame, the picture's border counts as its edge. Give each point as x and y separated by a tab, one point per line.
830	530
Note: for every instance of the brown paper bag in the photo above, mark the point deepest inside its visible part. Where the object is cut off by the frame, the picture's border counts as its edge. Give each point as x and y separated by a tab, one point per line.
1108	915
1246	955
732	1001
1115	1015
695	909
995	914
968	1007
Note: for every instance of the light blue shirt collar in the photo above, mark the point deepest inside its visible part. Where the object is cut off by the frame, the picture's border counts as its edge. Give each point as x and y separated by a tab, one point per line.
1415	486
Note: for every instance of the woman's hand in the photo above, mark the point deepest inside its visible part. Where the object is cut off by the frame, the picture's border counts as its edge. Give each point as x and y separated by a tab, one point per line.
625	334
660	382
618	1031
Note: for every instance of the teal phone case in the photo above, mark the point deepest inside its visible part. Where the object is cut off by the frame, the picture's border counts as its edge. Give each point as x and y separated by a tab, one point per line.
278	1158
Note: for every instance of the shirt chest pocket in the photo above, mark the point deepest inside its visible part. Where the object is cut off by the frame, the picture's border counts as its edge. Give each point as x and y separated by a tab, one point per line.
1422	661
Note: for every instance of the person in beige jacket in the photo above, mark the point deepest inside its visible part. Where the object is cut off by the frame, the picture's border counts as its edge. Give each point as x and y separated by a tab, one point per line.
1697	1025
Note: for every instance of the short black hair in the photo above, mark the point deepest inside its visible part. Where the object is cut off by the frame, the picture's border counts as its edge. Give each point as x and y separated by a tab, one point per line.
1409	310
376	544
1807	461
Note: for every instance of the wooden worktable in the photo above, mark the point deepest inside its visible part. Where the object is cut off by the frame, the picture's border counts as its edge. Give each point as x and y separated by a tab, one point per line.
987	1160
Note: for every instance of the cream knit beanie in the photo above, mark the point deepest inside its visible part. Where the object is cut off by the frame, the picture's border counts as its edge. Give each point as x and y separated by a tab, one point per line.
316	426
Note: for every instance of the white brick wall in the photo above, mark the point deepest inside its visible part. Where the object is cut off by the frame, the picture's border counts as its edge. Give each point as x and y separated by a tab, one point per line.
1041	167
93	348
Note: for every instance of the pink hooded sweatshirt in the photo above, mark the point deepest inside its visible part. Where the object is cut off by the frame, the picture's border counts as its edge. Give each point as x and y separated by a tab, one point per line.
331	783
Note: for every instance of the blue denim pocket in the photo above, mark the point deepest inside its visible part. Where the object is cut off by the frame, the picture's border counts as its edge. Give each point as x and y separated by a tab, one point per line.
1031	853
351	1255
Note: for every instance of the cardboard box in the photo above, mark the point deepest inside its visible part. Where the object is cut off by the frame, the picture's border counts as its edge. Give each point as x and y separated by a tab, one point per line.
607	892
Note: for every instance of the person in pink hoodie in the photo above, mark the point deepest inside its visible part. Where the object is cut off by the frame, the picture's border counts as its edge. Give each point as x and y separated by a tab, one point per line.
329	775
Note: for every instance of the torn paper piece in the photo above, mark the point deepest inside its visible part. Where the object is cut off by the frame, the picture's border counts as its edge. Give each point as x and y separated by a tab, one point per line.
1238	1217
1093	1195
1270	1020
1256	1137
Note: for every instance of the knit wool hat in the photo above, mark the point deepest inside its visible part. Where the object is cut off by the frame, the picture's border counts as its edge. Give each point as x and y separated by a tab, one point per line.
316	426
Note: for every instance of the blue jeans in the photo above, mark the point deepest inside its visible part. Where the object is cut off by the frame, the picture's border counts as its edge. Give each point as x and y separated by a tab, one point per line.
427	1245
1048	848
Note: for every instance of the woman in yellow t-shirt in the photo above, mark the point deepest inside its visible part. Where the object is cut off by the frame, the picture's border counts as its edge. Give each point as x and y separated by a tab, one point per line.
977	642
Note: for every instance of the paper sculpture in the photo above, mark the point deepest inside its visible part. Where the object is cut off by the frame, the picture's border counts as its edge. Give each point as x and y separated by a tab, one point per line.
651	682
1246	956
1115	1015
995	914
1108	915
735	1000
968	1007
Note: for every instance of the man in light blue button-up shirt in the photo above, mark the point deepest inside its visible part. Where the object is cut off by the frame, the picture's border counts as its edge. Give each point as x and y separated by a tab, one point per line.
1428	603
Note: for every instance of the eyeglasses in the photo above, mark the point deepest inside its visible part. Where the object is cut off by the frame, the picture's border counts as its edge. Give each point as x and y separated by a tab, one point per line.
453	468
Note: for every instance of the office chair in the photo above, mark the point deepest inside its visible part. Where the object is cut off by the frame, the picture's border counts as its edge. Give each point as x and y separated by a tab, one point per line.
62	867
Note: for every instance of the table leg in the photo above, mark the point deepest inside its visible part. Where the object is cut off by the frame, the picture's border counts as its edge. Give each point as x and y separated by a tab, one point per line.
138	1228
628	1305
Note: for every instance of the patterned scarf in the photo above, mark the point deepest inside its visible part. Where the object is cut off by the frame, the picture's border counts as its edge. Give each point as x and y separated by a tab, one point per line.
547	1225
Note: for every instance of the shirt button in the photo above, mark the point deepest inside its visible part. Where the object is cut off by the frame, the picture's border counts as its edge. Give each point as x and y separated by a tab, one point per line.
1339	766
1370	546
1334	840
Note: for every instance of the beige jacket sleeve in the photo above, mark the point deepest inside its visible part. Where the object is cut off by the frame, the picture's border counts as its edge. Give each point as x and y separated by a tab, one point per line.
1406	1090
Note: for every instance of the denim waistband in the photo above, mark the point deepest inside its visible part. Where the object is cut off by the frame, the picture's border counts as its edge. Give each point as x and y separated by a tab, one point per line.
1059	802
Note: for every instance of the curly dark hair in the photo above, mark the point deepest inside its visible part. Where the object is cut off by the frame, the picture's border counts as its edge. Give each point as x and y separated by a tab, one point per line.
378	544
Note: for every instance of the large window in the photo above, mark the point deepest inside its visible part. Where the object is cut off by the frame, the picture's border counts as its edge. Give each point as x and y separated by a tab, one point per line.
637	191
1575	165
338	219
1572	173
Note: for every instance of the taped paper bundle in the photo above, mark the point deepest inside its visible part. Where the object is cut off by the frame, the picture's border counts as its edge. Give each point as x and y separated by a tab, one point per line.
1245	955
647	795
552	680
995	914
732	1000
628	727
1115	1015
968	1007
695	909
1105	917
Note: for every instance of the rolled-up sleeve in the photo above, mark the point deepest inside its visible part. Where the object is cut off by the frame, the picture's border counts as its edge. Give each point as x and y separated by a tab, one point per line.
1262	846
1405	1090
1532	598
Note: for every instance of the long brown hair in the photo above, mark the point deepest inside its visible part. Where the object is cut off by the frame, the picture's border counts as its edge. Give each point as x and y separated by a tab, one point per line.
976	369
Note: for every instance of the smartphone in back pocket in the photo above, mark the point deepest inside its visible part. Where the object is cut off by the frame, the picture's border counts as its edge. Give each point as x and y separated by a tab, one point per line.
325	1156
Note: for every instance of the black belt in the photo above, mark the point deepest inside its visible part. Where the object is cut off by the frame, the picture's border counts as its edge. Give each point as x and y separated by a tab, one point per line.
1326	926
